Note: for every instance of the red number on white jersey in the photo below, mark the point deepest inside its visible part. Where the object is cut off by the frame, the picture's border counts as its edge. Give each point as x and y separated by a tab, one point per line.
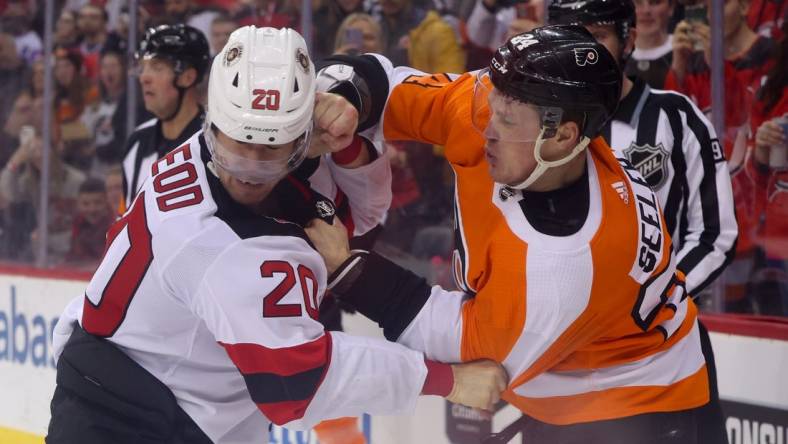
272	306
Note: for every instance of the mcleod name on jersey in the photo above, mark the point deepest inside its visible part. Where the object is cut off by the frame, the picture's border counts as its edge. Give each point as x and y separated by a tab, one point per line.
221	304
591	326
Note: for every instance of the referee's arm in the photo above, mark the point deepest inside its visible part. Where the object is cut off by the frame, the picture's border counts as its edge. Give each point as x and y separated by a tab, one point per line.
708	230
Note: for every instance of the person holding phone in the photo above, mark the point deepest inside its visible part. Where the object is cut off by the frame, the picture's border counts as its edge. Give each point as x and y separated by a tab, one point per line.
747	58
768	168
358	33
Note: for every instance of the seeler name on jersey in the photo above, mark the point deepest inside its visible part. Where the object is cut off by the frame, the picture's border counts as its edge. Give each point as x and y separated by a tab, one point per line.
650	229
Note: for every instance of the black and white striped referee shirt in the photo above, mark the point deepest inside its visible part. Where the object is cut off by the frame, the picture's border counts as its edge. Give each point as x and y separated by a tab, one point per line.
674	146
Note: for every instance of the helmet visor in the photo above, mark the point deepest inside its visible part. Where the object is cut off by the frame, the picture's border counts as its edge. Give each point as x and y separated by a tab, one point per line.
506	119
279	161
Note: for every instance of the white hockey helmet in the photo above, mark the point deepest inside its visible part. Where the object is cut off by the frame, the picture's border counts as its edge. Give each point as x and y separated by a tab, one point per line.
261	90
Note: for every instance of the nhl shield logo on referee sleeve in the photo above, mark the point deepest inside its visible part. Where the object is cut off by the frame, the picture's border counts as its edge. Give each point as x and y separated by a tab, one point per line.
651	161
586	56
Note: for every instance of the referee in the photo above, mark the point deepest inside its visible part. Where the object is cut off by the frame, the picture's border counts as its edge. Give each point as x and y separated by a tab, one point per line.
173	59
673	145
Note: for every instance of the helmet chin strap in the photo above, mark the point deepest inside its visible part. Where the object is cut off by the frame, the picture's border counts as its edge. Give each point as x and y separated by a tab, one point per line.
543	165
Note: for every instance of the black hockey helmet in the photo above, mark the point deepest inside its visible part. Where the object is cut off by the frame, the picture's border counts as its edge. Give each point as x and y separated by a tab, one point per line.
561	67
620	13
184	46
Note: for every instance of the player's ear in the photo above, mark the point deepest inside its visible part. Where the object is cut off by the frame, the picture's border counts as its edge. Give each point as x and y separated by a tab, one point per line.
187	78
567	135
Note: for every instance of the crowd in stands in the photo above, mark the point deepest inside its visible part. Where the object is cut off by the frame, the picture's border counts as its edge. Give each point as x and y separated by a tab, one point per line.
672	51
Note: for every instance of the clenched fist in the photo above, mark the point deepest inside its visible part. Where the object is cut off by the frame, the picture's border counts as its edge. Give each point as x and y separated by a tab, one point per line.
478	384
336	121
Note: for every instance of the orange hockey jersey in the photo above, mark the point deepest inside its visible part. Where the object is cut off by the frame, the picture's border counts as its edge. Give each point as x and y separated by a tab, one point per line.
591	326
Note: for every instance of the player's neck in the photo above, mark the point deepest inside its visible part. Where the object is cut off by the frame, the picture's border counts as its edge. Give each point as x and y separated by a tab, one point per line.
739	42
173	128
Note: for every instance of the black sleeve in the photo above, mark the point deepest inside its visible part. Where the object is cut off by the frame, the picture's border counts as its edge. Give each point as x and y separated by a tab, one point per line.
382	291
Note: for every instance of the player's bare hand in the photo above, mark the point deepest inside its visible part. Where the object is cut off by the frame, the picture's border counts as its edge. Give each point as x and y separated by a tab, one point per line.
478	384
683	46
331	241
336	121
702	34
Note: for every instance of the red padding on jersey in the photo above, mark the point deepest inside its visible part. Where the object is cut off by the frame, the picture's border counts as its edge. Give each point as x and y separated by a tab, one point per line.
285	361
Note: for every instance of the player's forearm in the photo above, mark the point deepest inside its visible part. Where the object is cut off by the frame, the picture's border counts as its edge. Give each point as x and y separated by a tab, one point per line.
368	191
365	375
380	290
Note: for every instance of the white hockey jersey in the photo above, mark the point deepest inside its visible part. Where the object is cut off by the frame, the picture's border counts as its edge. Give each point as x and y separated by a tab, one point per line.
221	305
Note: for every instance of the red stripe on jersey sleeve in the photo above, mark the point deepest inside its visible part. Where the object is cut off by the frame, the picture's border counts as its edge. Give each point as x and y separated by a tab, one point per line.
282	381
284	361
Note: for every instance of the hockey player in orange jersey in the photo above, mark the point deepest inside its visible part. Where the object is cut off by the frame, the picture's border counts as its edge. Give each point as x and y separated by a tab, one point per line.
564	261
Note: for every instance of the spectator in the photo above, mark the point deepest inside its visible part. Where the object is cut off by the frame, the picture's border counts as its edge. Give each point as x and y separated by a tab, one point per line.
14	74
26	111
221	28
20	189
653	52
358	33
92	24
328	15
769	169
766	17
262	13
91	221
16	20
113	182
73	93
98	116
184	11
492	22
66	31
747	58
419	38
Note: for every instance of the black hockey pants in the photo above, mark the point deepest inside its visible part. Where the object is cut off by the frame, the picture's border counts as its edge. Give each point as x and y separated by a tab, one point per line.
103	396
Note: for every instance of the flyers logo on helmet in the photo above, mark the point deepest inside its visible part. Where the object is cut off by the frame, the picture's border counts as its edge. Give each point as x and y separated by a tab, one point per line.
586	56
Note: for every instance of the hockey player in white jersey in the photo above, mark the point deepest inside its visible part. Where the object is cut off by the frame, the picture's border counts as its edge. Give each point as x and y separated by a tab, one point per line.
200	324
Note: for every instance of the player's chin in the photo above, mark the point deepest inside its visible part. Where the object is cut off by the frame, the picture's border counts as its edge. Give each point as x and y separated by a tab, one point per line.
247	193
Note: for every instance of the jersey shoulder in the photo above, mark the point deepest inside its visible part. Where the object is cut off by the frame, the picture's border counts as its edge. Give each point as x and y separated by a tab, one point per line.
143	130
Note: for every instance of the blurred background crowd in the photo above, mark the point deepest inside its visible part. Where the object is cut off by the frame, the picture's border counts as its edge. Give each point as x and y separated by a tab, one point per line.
91	120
